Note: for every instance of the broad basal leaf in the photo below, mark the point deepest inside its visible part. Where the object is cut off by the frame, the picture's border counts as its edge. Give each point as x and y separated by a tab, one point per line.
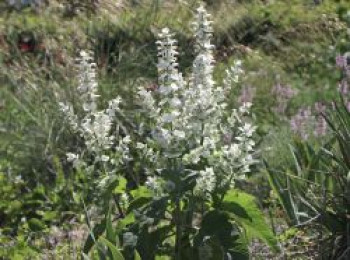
243	208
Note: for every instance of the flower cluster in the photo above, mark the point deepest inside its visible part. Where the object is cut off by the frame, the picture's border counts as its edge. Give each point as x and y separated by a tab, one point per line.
98	128
191	126
188	125
233	73
283	95
310	122
343	63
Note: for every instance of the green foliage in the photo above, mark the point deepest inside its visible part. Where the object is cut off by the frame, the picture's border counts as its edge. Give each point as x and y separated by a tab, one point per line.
314	191
244	210
293	42
20	250
228	229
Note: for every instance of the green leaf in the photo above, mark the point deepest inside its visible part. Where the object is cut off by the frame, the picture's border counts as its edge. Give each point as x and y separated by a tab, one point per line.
121	186
36	224
137	255
116	254
162	257
278	185
122	223
149	242
138	203
243	208
240	250
141	191
60	179
141	196
95	233
111	236
50	215
218	232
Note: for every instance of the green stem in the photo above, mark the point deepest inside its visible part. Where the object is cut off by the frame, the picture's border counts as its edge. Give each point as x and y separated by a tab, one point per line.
178	234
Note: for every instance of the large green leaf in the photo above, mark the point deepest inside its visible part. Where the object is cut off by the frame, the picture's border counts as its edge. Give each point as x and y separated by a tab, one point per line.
141	196
116	254
120	189
243	208
218	232
138	203
115	185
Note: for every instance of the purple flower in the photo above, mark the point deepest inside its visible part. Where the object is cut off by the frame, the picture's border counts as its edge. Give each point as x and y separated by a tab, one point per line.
343	87
320	108
321	123
300	123
247	95
348	106
283	94
309	121
320	127
340	61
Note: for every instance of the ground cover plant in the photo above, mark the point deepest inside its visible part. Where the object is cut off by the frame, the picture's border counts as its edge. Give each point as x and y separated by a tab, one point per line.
152	130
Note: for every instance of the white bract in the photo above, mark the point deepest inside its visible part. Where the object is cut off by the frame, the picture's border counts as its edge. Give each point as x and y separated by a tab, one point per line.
98	128
233	73
191	124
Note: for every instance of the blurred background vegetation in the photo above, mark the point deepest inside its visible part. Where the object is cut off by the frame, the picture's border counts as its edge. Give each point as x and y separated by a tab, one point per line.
281	43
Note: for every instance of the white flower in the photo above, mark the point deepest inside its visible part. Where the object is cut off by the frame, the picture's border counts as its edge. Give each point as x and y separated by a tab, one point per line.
152	183
194	156
169	117
179	134
234	151
245	108
127	139
162	136
247	129
71	157
175	102
69	114
95	126
113	106
104	158
87	81
124	200
157	186
140	145
167	65
205	183
74	159
233	73
189	119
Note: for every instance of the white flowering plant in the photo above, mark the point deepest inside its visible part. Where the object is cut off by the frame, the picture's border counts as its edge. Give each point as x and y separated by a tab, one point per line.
105	144
193	150
190	150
